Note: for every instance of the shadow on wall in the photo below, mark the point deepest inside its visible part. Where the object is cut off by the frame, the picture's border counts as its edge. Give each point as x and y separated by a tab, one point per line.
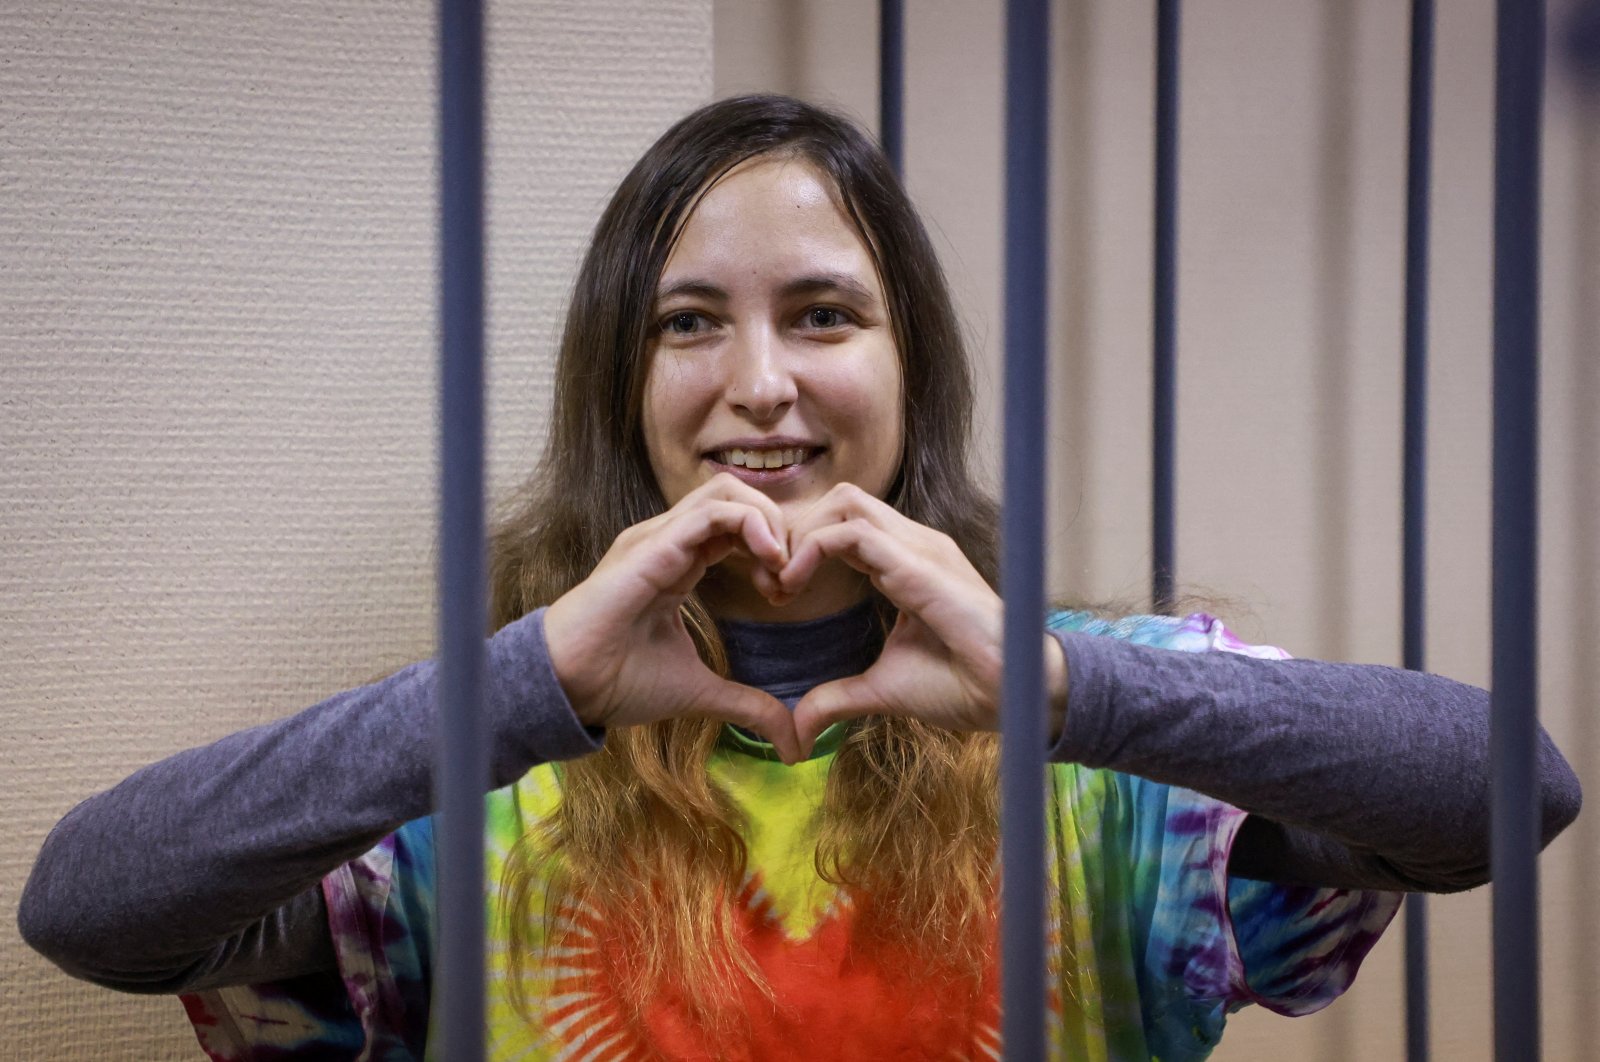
1072	379
1333	263
1584	485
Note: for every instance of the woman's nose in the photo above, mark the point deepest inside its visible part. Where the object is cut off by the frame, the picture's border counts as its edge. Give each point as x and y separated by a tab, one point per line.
760	381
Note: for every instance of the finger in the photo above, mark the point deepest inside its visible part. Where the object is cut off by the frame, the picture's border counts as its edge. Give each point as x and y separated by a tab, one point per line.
725	486
763	713
833	702
858	543
767	585
764	578
711	552
745	523
842	502
715	550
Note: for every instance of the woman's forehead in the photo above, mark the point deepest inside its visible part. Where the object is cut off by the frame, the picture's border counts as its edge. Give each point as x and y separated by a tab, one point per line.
768	221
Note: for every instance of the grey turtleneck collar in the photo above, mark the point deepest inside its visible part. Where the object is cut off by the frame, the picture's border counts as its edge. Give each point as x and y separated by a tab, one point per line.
787	659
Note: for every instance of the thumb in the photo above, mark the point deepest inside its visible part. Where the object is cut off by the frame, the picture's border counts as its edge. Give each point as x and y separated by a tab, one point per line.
831	702
748	707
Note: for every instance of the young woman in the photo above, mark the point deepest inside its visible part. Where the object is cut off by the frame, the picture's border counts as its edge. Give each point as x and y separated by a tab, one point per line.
742	694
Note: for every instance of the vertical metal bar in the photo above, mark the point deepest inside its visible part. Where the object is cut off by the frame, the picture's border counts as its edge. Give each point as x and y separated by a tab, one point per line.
1416	977
1023	715
462	769
1519	76
892	81
1418	176
1164	411
1414	489
1582	36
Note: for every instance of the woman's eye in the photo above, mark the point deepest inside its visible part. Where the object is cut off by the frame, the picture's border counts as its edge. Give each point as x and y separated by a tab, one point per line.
681	324
824	317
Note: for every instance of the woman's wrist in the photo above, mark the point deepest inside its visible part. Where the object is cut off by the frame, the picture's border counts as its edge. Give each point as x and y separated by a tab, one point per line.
563	664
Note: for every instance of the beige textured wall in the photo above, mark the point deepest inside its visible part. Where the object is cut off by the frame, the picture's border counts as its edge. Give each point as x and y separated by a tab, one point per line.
1289	346
217	371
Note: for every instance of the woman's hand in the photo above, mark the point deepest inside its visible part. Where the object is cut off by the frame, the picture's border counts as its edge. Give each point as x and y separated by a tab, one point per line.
618	643
941	662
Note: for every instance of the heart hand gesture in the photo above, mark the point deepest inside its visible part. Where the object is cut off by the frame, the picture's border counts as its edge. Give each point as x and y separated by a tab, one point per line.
623	656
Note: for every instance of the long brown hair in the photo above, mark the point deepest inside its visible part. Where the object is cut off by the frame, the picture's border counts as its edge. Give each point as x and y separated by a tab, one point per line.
642	835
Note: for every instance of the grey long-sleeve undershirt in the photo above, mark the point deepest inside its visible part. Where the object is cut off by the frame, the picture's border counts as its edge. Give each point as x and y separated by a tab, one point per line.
202	870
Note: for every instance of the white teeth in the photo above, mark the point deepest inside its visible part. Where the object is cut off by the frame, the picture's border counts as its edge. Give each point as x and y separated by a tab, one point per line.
763	458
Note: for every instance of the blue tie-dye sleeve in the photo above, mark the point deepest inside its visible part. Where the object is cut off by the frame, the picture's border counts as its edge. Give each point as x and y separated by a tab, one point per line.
380	915
1208	945
1300	946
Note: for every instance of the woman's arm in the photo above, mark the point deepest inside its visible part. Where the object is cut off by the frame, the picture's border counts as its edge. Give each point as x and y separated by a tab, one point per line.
1355	775
202	869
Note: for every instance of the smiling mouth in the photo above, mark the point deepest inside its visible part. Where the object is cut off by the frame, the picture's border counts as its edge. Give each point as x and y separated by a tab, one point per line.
775	460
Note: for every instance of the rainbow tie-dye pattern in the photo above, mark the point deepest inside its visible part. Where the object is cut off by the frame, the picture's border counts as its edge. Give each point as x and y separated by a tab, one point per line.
1152	945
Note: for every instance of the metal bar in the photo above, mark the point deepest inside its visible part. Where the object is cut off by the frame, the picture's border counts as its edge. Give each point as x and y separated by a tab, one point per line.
892	82
1419	164
1022	575
1418	177
462	768
1582	37
1416	977
1519	75
1164	411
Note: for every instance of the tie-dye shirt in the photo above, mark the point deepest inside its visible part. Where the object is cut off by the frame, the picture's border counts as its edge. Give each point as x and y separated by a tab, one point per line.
1151	944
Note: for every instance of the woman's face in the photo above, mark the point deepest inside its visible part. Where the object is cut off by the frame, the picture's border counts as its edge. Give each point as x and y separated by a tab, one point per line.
772	355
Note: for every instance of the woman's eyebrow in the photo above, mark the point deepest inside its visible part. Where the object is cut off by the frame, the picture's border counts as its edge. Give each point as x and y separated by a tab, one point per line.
703	289
815	283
